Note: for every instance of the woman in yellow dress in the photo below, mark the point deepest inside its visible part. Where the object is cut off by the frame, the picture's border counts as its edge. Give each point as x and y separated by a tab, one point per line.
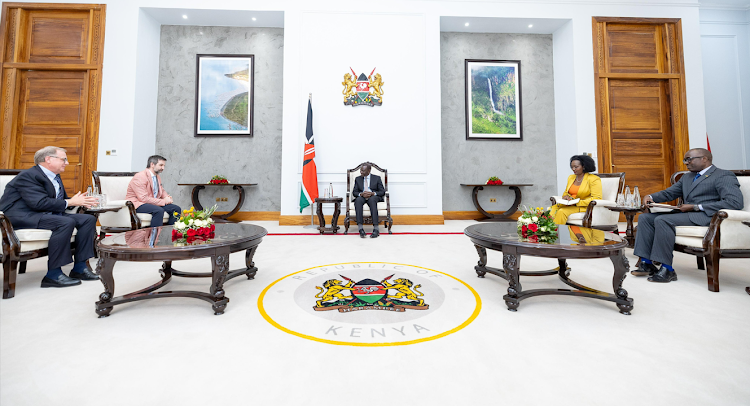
581	185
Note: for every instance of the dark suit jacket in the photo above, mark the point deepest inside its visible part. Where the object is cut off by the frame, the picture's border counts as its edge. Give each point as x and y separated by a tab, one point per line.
28	196
717	189
376	186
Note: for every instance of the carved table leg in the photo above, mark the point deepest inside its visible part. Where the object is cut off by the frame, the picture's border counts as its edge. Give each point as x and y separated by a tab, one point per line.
194	197
249	262
104	267
166	268
511	264
481	265
236	208
335	218
321	217
563	269
505	216
629	232
220	265
621	265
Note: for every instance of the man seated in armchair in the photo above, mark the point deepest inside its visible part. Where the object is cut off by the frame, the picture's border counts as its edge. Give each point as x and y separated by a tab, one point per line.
368	189
704	191
147	193
36	198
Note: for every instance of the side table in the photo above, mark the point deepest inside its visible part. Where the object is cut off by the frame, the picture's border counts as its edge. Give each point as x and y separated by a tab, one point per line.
224	218
497	217
334	228
629	213
96	212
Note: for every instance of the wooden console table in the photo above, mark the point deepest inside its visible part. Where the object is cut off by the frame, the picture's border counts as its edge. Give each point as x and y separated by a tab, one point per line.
224	218
497	217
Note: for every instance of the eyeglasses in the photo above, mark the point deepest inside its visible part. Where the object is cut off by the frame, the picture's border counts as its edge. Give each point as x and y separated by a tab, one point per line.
690	158
55	156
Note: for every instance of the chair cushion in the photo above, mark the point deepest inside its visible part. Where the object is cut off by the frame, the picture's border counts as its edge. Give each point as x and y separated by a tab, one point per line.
691	231
115	187
35	239
366	213
689	241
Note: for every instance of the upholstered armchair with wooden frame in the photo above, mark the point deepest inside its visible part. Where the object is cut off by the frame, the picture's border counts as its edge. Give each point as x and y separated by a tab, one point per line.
725	236
597	215
384	207
115	186
19	246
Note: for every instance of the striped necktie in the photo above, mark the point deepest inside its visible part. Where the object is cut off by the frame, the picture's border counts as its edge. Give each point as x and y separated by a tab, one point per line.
697	175
156	186
60	190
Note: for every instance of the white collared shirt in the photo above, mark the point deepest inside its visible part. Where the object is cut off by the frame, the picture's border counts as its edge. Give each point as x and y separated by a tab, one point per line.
366	184
51	175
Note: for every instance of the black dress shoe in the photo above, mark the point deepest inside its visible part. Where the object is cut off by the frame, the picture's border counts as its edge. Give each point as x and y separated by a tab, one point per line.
362	234
663	276
86	275
645	269
375	233
61	281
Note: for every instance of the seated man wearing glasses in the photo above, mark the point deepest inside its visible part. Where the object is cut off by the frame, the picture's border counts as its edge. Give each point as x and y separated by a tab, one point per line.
36	198
704	191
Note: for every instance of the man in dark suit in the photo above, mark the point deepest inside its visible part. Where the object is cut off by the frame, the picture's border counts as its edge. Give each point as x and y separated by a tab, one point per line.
704	191
367	189
36	198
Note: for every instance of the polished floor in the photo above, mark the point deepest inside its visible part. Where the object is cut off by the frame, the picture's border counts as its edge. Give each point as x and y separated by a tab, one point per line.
683	345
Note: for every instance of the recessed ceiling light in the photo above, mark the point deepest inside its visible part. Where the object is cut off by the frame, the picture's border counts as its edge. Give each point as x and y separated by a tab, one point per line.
531	25
254	19
184	16
466	25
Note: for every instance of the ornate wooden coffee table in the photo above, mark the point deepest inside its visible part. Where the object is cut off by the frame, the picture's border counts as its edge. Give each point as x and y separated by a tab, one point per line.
585	243
155	244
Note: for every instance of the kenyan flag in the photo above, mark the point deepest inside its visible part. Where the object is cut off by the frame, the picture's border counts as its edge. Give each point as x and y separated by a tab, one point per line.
368	290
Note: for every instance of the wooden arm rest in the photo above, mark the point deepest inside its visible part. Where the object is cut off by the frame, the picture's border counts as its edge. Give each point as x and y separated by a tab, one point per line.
588	216
135	222
713	236
9	239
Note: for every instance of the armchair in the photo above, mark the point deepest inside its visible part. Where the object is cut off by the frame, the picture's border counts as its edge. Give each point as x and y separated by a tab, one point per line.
115	186
725	236
597	215
19	246
384	207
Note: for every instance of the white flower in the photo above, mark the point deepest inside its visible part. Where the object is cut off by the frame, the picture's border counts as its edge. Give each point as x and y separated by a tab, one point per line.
199	223
190	223
535	219
543	228
179	225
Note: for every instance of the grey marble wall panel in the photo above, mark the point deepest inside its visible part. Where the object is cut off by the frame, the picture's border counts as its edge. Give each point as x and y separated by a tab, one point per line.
242	160
529	161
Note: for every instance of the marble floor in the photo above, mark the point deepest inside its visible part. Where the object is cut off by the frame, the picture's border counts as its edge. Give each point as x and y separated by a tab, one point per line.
683	345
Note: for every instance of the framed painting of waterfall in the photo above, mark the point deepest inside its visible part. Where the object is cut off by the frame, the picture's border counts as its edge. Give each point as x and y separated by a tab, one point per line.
493	100
224	95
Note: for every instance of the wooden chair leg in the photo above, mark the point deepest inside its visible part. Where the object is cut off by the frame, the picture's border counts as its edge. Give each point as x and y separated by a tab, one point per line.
712	269
22	267
390	224
701	266
346	224
9	278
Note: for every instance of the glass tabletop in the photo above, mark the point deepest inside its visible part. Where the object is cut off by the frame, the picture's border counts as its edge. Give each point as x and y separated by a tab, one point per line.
567	236
161	237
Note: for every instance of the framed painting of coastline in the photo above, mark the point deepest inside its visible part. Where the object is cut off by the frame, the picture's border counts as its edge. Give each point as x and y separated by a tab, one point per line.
493	100
224	95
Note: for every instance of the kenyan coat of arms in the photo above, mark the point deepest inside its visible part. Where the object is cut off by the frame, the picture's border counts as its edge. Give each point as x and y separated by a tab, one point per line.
363	90
369	294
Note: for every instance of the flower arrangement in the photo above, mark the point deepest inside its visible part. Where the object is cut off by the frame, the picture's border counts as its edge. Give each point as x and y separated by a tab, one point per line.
494	180
537	225
194	224
218	180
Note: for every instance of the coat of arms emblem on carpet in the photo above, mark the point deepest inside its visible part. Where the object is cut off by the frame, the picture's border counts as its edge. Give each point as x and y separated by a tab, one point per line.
396	295
362	90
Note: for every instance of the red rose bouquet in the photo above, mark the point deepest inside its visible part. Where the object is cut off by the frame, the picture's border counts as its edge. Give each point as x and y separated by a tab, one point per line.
218	180
494	180
193	225
537	225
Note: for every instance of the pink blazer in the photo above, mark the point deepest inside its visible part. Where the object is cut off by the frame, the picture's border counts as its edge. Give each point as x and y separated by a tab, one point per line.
141	190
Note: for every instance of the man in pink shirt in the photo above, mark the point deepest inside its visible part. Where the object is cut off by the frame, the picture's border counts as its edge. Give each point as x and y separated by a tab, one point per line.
147	193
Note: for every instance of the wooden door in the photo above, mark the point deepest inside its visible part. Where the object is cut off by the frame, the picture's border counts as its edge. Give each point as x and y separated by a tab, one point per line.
640	99
51	66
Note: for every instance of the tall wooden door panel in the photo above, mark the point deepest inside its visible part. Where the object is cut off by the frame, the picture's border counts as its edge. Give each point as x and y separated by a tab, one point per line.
640	132
51	85
640	99
51	114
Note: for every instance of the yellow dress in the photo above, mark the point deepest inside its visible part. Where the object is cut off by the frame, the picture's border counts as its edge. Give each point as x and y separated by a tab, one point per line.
590	189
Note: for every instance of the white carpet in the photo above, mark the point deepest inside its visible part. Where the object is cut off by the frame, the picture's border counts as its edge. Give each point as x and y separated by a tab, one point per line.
682	344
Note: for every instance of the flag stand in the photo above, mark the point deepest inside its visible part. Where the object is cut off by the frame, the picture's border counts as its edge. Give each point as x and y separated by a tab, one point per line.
312	204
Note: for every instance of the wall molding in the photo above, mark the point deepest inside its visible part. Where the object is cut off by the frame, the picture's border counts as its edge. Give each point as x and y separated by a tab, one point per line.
725	23
398	219
473	215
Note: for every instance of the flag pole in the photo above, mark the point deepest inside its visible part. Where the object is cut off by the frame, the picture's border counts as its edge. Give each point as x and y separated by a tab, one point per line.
312	204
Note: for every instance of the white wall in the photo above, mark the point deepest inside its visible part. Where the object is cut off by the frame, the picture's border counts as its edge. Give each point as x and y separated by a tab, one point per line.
146	91
725	38
368	38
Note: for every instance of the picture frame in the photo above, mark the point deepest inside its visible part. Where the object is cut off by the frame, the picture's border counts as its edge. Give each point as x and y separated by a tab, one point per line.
493	110
224	95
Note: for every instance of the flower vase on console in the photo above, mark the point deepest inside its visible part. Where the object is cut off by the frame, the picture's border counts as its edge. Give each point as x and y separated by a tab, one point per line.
194	227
